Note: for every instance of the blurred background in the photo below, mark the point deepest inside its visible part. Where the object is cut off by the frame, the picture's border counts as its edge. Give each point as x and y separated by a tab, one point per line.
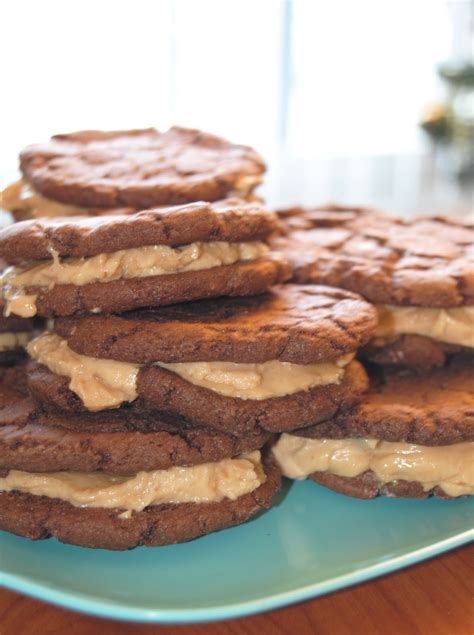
359	102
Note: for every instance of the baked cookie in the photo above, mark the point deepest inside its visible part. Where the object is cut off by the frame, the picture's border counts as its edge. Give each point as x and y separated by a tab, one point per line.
417	271
247	486
109	480
279	361
412	435
116	263
121	442
91	172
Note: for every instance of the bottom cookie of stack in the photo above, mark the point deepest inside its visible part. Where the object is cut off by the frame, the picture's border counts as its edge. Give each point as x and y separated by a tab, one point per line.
192	481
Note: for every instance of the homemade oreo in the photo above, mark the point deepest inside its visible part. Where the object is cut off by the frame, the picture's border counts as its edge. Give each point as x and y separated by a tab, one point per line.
117	482
279	361
412	435
91	172
417	271
117	263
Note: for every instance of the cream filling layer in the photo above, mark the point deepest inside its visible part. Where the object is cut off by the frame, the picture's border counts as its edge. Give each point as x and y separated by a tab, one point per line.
260	381
206	483
10	340
448	466
140	262
20	195
453	326
100	383
106	383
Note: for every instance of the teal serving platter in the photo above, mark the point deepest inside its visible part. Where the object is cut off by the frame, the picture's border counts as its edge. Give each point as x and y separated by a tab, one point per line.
312	542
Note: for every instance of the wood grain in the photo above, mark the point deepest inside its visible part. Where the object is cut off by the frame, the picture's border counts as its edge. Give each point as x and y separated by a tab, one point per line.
435	597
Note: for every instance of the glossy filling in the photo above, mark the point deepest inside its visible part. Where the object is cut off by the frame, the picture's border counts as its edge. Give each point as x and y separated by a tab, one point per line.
453	326
206	483
450	467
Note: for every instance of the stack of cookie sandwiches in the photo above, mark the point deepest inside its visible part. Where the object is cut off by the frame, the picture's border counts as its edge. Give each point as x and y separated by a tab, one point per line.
85	454
171	358
94	172
413	434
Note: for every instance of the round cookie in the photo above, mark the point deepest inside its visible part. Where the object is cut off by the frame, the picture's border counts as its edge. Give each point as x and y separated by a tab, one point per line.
118	442
433	408
414	351
368	486
291	323
38	517
409	413
280	336
232	220
140	168
152	258
166	391
422	261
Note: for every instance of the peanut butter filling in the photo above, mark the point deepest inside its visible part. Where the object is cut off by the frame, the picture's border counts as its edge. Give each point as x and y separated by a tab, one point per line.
206	483
448	466
453	326
106	383
260	381
20	195
100	383
140	262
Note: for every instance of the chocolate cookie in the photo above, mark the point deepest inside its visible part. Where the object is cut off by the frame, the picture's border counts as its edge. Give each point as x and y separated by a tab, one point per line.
411	261
38	517
412	435
118	442
292	323
152	258
414	351
140	168
232	220
433	408
239	279
368	486
163	393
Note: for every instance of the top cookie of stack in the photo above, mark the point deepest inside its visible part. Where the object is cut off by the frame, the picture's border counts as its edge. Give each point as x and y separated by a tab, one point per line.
93	172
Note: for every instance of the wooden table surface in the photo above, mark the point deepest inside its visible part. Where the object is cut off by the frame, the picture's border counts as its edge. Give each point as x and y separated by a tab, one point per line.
435	597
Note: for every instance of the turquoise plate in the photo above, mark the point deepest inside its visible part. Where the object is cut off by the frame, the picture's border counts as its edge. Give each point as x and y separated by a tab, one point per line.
314	541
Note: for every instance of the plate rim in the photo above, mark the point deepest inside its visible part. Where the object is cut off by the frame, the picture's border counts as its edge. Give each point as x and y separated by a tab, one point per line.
112	610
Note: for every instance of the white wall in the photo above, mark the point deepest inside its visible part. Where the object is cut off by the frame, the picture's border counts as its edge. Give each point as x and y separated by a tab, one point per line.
348	76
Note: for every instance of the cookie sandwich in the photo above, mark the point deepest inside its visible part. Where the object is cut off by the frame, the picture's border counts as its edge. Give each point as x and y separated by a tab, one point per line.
411	436
416	271
116	481
94	172
117	263
278	361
